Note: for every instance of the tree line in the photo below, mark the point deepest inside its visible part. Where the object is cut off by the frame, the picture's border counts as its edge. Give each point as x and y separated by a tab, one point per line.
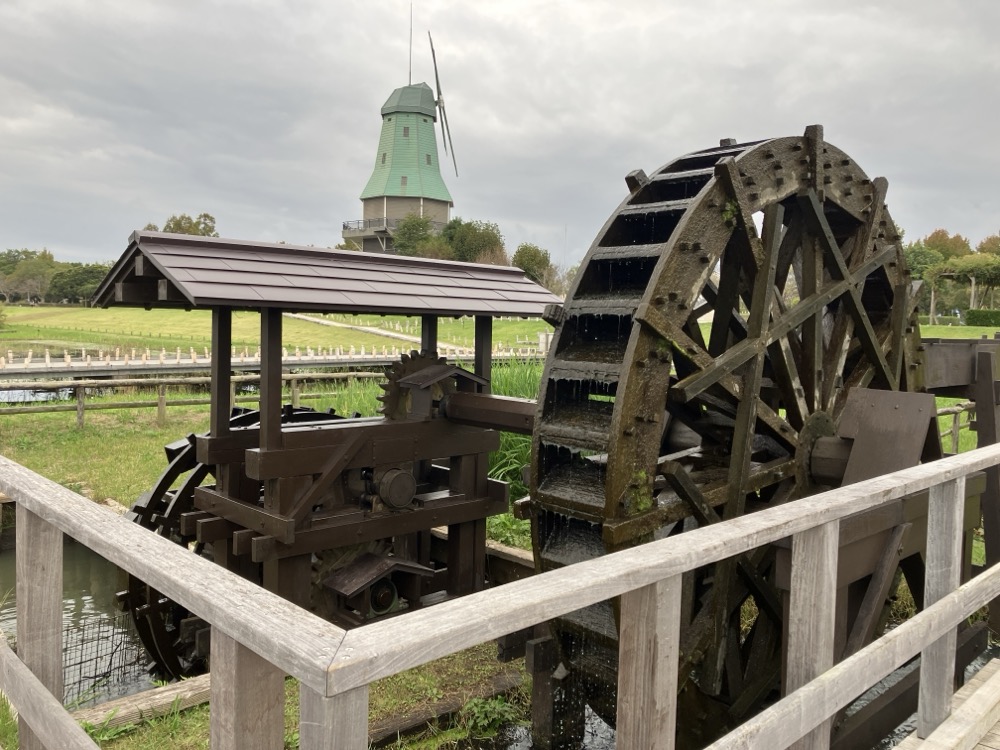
32	276
959	277
476	242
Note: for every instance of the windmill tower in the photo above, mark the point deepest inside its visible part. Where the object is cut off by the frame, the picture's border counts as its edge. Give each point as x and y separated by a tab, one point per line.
407	174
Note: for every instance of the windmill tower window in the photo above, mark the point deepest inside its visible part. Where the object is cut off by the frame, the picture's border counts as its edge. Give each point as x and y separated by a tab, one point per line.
406	131
428	160
383	157
402	181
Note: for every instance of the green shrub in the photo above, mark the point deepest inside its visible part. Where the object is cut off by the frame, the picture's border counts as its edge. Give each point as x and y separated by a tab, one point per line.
983	318
942	320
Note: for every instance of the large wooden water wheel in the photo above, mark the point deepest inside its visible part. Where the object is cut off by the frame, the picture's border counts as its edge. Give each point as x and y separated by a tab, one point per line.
717	324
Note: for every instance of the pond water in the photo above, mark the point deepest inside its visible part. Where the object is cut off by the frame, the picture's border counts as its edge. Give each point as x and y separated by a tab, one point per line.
102	656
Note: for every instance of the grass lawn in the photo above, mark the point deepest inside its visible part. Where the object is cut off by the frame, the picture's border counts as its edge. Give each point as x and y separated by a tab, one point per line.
76	328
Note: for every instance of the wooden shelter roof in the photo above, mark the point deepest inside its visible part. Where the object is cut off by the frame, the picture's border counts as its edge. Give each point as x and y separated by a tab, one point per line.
176	270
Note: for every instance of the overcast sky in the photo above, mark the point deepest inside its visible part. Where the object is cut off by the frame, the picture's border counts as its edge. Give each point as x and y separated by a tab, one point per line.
265	114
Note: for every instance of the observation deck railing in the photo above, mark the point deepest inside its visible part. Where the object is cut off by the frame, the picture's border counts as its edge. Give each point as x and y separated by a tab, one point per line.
383	224
258	638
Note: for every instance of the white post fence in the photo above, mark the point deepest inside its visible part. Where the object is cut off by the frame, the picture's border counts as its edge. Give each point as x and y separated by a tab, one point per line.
258	637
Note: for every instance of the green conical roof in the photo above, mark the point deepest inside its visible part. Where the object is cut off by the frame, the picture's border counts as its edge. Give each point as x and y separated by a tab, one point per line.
406	164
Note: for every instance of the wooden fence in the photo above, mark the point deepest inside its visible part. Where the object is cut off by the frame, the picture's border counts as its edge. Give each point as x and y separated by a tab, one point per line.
257	637
80	404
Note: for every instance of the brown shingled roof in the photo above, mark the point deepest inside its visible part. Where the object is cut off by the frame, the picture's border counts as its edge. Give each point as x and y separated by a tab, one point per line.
176	270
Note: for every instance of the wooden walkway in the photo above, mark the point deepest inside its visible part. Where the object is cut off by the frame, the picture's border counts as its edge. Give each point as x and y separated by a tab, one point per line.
974	723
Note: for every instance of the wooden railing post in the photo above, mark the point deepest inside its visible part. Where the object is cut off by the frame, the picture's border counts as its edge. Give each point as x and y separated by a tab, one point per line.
945	508
340	721
39	573
247	698
812	616
648	649
81	400
161	405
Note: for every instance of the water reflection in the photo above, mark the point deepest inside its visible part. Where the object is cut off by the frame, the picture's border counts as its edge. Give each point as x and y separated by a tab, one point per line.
102	657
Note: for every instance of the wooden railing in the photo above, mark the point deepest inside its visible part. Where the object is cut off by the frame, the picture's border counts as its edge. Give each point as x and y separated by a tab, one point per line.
81	405
257	637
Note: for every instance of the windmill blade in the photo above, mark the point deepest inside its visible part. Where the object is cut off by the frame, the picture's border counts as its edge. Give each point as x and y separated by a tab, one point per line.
445	130
437	81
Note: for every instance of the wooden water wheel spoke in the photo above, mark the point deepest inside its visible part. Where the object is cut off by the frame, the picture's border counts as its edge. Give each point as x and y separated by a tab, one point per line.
815	217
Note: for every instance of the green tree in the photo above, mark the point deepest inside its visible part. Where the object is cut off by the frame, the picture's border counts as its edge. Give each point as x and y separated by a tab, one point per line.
203	225
472	240
31	278
77	282
10	258
534	261
989	245
435	246
409	233
949	245
919	258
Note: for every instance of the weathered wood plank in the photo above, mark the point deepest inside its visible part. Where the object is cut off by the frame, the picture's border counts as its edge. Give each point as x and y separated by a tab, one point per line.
39	574
298	642
945	508
809	706
970	721
37	707
148	704
340	721
248	698
812	616
647	673
990	671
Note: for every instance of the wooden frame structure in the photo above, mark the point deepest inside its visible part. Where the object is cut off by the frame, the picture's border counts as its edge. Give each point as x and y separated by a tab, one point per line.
286	491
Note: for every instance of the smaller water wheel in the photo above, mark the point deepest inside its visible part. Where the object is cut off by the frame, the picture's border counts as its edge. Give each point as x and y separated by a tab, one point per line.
167	631
716	329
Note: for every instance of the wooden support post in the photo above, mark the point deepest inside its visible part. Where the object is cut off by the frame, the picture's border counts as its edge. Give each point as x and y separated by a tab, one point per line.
270	379
428	333
296	393
812	615
222	385
988	433
248	698
81	399
945	507
956	430
39	592
647	666
340	721
161	405
557	707
289	578
484	349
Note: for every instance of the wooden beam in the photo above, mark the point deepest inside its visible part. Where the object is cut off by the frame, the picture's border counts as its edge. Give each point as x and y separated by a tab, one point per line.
428	333
37	707
222	373
945	508
270	379
648	647
340	721
816	220
39	593
248	698
812	617
484	349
